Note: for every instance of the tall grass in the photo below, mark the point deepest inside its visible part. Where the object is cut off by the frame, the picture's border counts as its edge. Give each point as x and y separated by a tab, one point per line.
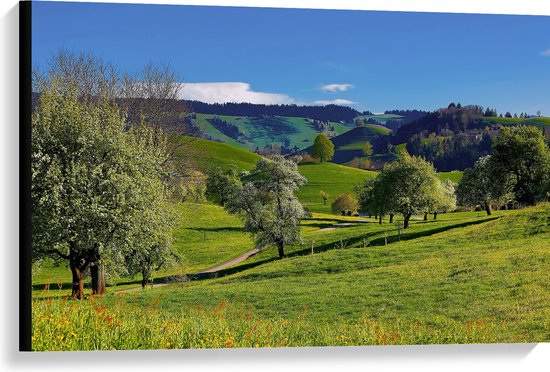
96	325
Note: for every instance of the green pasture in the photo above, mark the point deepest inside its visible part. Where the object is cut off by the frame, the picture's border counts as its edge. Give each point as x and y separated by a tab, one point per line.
332	178
266	130
464	269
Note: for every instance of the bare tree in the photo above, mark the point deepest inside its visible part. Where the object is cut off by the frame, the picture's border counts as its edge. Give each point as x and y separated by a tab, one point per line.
152	96
88	75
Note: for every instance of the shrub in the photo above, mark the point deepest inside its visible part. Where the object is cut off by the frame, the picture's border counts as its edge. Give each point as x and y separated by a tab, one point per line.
345	204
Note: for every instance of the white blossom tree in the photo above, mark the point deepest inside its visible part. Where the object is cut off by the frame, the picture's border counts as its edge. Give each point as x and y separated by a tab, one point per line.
267	203
94	184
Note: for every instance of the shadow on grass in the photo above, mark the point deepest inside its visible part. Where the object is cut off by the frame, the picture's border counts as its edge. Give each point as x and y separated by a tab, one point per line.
216	229
349	243
335	219
353	242
320	225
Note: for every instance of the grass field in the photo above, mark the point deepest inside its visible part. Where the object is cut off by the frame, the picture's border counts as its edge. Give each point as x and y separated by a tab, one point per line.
464	278
206	227
205	235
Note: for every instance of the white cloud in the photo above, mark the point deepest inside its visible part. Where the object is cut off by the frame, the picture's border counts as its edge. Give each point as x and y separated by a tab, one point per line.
236	92
336	87
334	102
545	53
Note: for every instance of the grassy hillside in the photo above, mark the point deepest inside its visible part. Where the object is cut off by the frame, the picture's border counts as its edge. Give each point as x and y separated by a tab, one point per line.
262	131
539	122
208	154
454	176
332	178
349	145
460	279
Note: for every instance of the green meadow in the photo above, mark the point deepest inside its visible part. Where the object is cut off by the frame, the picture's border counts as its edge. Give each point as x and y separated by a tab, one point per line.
463	278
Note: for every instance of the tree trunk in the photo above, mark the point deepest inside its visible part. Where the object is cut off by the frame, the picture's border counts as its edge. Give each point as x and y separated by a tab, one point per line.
406	221
435	215
425	216
78	282
280	247
488	208
145	275
380	220
98	278
391	218
324	201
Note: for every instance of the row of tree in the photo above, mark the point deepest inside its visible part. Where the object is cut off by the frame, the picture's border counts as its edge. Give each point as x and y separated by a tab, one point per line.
229	129
407	186
517	170
328	113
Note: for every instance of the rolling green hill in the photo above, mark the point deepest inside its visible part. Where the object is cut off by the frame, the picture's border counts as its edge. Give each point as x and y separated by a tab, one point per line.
349	145
208	154
261	131
332	178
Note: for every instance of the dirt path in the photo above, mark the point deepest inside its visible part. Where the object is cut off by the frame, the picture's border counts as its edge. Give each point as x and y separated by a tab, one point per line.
210	272
342	224
231	262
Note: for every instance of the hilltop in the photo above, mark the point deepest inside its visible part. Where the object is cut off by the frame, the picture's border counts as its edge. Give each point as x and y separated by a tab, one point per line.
349	145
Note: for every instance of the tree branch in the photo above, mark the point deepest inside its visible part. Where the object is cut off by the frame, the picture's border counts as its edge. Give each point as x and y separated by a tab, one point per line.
57	252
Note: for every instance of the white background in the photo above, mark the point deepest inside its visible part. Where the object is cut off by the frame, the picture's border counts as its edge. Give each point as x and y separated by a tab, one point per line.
524	357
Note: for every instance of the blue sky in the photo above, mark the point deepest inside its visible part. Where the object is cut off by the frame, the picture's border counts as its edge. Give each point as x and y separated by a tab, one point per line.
368	60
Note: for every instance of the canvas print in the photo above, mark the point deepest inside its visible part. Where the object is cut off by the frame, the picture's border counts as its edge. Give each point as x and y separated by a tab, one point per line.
227	177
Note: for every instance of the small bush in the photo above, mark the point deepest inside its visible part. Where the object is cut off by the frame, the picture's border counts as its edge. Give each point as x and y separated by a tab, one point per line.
345	204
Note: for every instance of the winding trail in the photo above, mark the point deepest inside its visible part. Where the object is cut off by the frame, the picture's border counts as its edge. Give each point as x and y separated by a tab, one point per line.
211	272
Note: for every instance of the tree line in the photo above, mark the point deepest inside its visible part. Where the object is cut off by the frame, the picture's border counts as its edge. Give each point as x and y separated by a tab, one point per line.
229	129
331	112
